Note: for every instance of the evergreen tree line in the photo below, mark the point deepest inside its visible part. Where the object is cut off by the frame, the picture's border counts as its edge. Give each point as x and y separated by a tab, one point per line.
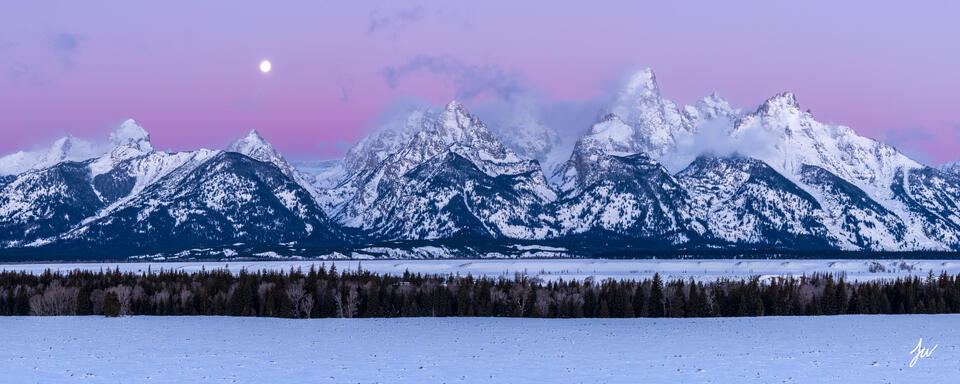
322	292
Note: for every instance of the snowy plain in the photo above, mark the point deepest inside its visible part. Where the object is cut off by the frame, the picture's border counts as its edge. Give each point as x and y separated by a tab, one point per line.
554	269
847	349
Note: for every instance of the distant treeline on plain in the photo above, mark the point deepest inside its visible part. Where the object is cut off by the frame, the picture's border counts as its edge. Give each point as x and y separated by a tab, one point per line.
322	292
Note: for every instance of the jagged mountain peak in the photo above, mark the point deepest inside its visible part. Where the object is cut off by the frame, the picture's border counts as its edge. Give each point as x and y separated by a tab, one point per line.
59	151
642	82
251	143
258	148
452	173
385	139
64	143
129	140
783	101
639	101
709	108
527	135
715	102
638	121
629	196
773	177
131	134
455	106
792	138
457	125
217	198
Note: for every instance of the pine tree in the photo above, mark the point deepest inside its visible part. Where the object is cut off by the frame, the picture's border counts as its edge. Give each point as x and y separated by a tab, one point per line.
84	306
639	301
372	308
463	300
677	303
655	304
111	305
693	303
604	309
589	302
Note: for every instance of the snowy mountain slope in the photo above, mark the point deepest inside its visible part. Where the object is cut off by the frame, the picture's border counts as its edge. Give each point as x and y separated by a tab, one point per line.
856	220
744	201
647	172
70	148
611	136
710	108
852	183
79	198
640	120
386	139
796	139
254	146
656	122
226	199
385	199
18	162
46	202
343	182
133	165
933	198
630	197
67	148
952	167
530	138
449	197
127	178
325	174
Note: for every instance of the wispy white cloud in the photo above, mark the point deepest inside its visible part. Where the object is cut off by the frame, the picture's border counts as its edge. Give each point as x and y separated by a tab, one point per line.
468	80
37	69
393	20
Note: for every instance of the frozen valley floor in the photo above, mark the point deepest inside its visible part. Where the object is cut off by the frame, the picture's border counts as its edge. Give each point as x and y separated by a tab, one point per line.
849	349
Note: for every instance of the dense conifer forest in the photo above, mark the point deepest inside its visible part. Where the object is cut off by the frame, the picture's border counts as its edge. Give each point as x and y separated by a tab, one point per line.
327	292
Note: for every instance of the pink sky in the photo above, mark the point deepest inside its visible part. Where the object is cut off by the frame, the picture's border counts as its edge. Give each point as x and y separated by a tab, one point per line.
188	71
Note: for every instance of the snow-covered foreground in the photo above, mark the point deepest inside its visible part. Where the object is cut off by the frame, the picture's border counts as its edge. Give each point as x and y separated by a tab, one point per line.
552	269
848	349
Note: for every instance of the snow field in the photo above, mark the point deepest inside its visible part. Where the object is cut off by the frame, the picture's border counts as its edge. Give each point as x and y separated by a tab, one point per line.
554	269
848	349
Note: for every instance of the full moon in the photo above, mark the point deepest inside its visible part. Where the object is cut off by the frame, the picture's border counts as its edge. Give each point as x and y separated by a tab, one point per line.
265	66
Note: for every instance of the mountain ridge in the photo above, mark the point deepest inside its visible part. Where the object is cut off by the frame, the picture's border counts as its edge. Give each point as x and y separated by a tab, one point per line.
648	174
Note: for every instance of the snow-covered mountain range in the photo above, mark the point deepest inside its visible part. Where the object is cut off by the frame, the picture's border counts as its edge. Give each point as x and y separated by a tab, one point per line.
648	173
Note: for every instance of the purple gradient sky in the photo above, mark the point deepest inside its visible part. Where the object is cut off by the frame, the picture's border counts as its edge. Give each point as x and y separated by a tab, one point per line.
188	71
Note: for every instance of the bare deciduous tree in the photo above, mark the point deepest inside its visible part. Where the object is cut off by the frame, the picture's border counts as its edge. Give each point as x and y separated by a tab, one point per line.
96	300
185	297
543	302
338	301
56	300
518	294
124	294
352	300
300	302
